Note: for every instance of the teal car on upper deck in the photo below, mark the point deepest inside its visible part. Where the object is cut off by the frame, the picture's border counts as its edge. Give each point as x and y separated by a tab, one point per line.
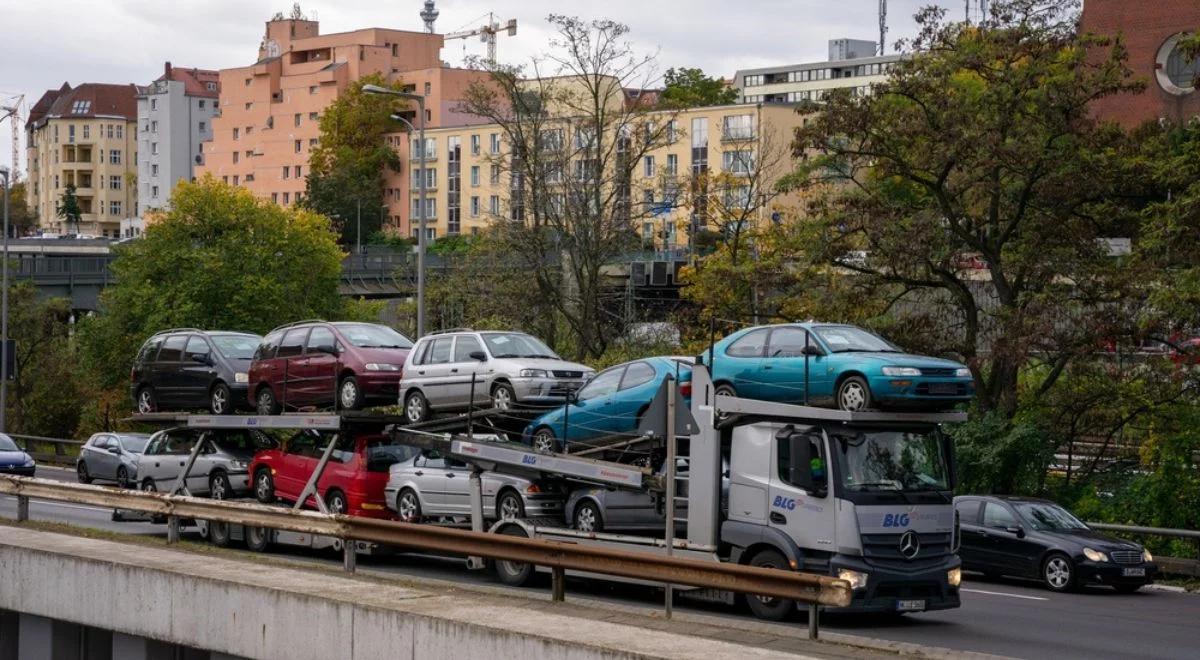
847	368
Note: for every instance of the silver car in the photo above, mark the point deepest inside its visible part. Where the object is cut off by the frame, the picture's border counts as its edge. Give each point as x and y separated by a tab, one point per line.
600	509
111	457
508	368
429	486
220	468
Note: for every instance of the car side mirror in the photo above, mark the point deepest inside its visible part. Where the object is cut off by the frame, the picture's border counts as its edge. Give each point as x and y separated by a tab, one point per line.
478	355
201	359
811	351
114	450
1018	531
328	349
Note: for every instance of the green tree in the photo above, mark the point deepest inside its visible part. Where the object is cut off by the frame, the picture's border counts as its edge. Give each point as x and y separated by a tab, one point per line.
347	168
20	218
44	397
68	208
221	259
689	88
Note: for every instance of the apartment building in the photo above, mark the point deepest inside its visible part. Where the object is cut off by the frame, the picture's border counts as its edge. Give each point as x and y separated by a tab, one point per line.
852	63
84	136
174	116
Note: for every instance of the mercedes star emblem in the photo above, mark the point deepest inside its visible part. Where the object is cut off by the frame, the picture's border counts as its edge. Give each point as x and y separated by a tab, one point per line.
910	544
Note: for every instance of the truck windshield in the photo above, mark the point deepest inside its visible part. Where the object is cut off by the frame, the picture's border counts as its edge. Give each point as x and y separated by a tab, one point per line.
892	461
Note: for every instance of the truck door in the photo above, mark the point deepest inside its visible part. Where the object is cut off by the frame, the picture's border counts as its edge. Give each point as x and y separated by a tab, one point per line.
800	503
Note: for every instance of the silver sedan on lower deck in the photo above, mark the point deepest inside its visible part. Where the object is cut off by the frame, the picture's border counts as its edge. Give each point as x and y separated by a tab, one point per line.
430	486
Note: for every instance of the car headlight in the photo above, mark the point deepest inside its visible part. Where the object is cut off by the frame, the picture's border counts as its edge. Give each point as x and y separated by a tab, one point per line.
381	366
28	462
901	371
1146	556
954	577
240	465
962	373
857	579
534	373
241	377
1094	555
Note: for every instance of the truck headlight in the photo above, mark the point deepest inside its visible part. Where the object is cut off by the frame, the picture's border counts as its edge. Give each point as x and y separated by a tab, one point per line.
857	579
901	371
963	373
1146	556
534	373
1094	555
382	366
954	577
241	377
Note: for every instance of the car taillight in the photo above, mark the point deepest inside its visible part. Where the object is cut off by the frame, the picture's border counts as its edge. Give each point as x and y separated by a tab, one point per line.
533	488
685	389
133	374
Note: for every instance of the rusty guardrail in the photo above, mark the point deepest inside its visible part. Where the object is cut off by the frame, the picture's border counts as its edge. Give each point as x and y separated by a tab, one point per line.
557	555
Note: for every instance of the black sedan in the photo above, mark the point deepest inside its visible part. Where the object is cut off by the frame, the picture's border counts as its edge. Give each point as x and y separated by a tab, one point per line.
1031	538
13	460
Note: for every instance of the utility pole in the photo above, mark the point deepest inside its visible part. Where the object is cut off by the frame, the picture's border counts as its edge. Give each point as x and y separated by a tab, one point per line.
358	225
4	174
883	27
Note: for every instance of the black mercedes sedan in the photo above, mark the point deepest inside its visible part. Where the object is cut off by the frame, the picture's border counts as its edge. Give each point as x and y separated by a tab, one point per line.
1032	538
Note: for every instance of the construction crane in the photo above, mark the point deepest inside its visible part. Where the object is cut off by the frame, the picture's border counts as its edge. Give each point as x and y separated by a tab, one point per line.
487	33
883	27
12	112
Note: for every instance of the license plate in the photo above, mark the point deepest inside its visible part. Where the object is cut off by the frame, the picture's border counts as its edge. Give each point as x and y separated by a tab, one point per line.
1133	572
943	388
910	606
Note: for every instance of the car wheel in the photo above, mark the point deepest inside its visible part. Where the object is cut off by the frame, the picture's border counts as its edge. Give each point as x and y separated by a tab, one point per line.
767	607
258	539
587	518
220	400
123	477
265	403
146	401
503	397
513	573
854	395
219	487
1126	588
335	501
510	506
1058	573
416	408
544	441
82	471
349	396
264	486
724	389
148	485
408	506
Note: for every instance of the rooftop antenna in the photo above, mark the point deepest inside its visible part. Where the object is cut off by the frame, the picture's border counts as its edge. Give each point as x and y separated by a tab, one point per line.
429	14
883	27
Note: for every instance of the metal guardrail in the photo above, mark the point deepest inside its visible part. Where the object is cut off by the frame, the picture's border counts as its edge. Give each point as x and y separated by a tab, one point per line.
559	556
59	455
1173	565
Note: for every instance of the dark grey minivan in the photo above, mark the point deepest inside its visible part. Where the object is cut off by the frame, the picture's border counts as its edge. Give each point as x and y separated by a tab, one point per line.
186	368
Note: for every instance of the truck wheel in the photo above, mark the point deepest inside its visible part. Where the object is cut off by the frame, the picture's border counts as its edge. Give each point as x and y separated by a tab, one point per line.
218	533
258	539
513	573
767	607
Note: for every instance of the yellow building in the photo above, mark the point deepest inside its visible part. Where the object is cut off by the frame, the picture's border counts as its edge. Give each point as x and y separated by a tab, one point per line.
86	137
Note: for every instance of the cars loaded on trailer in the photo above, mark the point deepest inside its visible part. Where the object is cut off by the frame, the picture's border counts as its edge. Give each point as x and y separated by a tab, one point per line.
430	486
1032	538
221	464
317	363
186	368
504	369
841	366
111	457
14	460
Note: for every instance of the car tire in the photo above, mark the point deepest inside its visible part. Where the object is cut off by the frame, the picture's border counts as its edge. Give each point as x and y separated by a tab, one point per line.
148	485
81	470
513	573
265	403
724	389
1058	573
1127	588
544	441
219	487
416	407
258	539
147	402
336	502
123	477
350	396
854	395
408	506
264	486
220	399
503	397
510	506
768	608
587	518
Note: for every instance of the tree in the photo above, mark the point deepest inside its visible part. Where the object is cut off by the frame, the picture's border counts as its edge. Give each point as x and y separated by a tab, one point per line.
20	218
572	143
44	397
690	88
974	192
68	208
347	168
218	259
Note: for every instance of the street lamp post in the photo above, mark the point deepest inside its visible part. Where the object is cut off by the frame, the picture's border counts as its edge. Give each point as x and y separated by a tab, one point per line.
376	89
4	174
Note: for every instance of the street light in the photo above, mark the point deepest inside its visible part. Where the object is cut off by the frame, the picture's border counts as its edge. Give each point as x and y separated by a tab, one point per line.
4	174
376	89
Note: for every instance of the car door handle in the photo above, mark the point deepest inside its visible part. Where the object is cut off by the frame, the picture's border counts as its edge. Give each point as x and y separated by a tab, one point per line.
450	475
454	371
778	518
419	473
421	371
767	366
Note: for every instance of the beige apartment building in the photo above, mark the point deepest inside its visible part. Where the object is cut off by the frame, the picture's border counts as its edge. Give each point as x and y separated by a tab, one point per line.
84	136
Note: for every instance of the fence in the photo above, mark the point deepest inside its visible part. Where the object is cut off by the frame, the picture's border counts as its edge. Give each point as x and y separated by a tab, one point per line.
29	444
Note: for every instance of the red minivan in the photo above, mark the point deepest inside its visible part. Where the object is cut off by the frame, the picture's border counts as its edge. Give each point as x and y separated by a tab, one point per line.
310	363
353	480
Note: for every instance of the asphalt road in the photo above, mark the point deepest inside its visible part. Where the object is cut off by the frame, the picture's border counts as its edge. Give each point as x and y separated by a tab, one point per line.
1003	617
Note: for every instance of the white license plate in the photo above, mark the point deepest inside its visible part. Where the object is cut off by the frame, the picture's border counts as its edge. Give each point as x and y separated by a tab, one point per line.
1133	572
910	606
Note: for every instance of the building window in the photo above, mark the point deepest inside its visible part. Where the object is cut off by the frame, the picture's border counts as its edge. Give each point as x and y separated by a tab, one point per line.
286	197
311	90
120	132
672	164
235	179
297	171
474	206
299	146
87	131
312	116
110	130
430	175
752	81
494	174
494	205
699	145
154	169
297	119
154	192
114	156
474	145
312	142
200	103
114	208
203	127
114	182
286	172
236	156
474	176
236	133
71	134
648	166
738	127
154	148
495	142
1176	74
154	126
154	104
430	148
739	162
430	208
249	130
274	198
56	182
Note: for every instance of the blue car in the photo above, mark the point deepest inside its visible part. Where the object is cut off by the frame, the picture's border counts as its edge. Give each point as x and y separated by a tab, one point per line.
610	404
13	460
848	368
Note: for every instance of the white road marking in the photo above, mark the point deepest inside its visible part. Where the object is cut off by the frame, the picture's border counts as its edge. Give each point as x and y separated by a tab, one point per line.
1001	593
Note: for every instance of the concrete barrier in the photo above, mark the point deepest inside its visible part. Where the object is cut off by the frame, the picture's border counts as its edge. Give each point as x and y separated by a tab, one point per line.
259	610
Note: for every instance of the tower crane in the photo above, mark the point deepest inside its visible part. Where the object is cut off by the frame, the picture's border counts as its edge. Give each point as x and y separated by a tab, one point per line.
487	33
12	111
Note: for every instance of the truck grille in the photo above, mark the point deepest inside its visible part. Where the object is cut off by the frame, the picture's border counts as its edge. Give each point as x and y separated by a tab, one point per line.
1126	556
884	549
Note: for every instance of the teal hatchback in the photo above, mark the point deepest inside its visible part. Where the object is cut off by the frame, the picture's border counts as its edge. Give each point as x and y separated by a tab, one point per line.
847	368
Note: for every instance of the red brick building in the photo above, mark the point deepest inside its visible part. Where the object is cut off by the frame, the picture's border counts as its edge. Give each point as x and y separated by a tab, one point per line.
1150	30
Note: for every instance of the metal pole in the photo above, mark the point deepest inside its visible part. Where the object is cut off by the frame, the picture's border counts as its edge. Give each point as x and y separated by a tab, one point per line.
22	508
670	508
358	225
349	555
172	529
806	335
814	617
471	410
558	584
421	227
4	312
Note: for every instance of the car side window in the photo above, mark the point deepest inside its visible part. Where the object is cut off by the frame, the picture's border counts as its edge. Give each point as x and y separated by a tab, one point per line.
440	353
432	461
603	384
968	511
293	343
998	515
154	447
463	348
266	350
750	345
197	347
150	349
317	338
419	353
638	373
172	349
343	449
788	342
302	443
178	443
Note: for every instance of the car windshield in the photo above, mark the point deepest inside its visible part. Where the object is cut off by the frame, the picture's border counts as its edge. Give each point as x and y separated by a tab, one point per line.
1048	517
849	339
7	444
892	461
237	347
517	345
383	454
134	443
370	335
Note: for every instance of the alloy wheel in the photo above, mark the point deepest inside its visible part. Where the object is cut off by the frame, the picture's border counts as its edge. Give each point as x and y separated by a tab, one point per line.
414	409
145	401
502	398
220	400
408	507
852	396
543	442
336	503
585	519
510	507
123	477
349	394
1058	572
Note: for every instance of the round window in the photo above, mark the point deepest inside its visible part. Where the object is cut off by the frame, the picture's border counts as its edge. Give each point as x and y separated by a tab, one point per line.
1175	72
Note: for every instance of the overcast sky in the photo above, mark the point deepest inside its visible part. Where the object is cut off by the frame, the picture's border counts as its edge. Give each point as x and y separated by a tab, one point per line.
44	43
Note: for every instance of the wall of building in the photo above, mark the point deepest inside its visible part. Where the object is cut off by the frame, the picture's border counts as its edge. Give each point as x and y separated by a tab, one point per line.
86	160
175	125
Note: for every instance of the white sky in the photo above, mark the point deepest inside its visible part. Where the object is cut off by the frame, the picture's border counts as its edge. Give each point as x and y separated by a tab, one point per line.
44	43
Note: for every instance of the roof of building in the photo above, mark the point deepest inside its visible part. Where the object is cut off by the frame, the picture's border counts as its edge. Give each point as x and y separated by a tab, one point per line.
94	100
44	104
195	81
858	61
